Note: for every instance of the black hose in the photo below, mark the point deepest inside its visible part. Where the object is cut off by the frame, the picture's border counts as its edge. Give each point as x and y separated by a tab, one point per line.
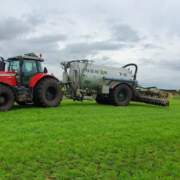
136	69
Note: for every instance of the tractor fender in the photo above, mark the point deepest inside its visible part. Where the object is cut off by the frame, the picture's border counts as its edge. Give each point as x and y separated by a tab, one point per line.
38	77
8	78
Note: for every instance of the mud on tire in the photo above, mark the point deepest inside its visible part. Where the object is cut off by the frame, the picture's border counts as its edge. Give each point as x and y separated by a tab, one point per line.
6	98
47	93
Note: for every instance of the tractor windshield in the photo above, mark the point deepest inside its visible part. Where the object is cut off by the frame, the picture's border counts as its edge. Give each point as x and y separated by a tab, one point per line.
14	66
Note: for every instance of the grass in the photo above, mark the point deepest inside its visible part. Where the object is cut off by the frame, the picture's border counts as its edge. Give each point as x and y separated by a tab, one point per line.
88	141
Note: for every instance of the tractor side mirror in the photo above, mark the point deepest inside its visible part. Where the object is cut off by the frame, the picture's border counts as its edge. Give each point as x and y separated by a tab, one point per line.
45	70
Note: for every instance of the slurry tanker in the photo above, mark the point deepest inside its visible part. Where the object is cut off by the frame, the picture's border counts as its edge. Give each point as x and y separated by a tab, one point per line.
107	85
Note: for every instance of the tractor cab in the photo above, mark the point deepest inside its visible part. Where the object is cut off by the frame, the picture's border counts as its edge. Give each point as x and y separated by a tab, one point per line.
25	67
24	81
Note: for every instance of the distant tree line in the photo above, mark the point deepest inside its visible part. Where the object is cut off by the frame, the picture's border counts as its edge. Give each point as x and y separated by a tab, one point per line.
173	92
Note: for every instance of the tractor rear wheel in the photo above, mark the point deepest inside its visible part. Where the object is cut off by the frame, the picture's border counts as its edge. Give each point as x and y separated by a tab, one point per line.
48	93
6	98
121	95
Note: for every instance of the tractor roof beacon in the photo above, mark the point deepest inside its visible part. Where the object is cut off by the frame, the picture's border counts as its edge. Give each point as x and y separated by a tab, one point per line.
22	79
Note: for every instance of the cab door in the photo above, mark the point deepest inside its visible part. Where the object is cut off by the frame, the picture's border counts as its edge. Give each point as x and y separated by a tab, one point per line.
29	69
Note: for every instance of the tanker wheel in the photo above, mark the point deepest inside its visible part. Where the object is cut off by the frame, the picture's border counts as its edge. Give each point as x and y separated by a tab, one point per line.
121	95
47	93
102	100
99	99
6	98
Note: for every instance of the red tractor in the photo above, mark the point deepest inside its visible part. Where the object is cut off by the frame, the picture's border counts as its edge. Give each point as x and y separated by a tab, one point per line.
24	81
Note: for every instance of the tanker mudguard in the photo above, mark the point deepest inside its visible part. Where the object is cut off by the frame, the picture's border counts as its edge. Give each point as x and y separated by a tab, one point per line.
38	77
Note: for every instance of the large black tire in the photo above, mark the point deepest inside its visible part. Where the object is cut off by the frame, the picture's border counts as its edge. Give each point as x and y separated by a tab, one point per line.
47	93
121	95
99	100
6	98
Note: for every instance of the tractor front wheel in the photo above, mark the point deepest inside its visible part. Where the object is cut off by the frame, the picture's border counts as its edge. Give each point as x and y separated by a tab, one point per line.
48	93
6	98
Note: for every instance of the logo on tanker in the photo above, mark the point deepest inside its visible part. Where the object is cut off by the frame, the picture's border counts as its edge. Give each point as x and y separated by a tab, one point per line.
95	71
102	72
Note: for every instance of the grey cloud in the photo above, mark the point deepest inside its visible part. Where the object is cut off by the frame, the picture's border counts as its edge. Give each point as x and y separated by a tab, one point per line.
14	33
35	19
161	63
151	46
124	33
11	28
48	39
84	50
146	62
92	48
45	44
170	64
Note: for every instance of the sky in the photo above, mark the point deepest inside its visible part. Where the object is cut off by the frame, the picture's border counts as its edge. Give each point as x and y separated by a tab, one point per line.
109	32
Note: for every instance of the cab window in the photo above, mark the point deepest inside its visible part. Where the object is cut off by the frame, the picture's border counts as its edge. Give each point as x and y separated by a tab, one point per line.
14	66
29	67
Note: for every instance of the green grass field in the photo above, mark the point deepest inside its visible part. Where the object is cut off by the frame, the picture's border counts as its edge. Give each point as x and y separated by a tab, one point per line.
89	141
